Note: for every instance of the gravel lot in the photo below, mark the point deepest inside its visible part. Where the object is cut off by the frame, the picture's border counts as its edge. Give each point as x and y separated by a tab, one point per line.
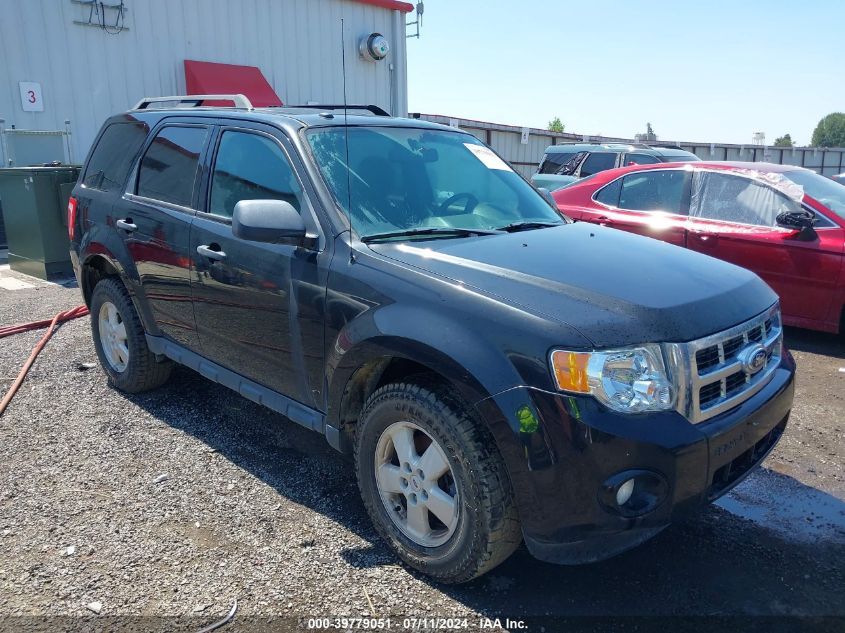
180	501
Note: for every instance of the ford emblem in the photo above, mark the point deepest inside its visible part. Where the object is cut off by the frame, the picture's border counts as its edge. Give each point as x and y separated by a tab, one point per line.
753	359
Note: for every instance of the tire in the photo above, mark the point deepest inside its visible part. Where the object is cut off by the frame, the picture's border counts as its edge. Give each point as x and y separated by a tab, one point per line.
134	368
485	529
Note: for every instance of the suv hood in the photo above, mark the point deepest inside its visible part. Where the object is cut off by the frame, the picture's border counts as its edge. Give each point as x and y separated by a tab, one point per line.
616	288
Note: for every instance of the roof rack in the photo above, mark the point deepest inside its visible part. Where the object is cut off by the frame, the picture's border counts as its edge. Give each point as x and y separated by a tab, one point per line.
193	101
374	109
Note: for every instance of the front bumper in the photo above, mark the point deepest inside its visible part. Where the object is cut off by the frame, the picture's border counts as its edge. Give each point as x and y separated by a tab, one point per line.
559	467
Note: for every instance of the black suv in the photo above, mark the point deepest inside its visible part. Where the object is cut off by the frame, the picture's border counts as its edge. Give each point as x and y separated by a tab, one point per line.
564	164
497	372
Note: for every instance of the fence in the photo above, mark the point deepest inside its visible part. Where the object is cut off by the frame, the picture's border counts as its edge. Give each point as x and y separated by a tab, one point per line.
525	152
20	148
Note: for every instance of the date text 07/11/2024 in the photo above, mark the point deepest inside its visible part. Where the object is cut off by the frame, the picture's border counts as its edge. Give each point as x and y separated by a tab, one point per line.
413	624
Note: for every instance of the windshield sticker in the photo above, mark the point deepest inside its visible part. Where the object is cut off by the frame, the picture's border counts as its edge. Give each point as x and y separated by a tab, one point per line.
488	157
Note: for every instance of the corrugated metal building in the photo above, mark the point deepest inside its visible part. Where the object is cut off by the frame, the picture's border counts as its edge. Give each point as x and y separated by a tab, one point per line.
524	147
82	61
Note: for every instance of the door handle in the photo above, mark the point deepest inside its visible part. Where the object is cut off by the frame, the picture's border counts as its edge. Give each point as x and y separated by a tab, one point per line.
603	220
126	225
212	251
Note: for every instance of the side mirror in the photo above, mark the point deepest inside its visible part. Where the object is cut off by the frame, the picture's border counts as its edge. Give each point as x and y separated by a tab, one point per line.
270	221
547	195
802	222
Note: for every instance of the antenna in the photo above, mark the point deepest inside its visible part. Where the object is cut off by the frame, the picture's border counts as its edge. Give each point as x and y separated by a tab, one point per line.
346	125
417	23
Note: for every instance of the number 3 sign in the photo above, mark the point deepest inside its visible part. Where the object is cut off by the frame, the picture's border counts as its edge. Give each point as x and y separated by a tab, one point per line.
31	99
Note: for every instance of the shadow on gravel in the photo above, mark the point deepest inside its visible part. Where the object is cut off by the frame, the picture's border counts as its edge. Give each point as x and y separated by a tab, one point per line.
792	510
815	342
716	563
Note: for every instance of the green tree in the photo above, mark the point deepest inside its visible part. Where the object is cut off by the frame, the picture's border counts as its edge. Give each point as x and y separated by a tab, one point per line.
784	141
830	132
555	125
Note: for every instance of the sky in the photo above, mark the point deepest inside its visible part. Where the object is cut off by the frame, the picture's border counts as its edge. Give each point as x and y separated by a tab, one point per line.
710	71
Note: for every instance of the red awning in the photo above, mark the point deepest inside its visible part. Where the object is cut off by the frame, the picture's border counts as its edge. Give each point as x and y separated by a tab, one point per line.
208	78
395	5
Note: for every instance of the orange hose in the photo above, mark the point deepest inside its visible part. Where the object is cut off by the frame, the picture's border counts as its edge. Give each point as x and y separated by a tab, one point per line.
8	330
73	313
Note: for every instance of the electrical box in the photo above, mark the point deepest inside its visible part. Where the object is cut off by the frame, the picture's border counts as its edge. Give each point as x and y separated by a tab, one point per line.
34	203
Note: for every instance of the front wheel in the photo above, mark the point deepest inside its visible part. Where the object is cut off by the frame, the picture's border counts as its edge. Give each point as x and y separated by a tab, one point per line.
434	483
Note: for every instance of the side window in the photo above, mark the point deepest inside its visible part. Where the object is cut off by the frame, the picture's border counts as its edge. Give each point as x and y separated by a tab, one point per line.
657	190
169	167
112	158
640	159
251	167
609	195
554	160
596	162
569	167
738	199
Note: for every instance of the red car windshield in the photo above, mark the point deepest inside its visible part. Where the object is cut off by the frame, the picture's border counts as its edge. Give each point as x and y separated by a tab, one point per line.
831	194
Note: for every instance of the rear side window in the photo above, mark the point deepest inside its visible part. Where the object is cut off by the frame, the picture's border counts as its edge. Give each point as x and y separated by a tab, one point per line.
112	157
656	190
169	167
554	161
596	162
609	195
251	167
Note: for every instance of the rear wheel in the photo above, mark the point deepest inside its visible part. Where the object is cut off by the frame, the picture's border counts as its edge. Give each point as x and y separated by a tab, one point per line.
434	483
120	341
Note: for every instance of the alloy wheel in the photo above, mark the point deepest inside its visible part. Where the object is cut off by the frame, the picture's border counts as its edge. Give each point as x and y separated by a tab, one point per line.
416	484
113	338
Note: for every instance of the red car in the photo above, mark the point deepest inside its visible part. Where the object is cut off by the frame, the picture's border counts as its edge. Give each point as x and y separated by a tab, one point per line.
785	223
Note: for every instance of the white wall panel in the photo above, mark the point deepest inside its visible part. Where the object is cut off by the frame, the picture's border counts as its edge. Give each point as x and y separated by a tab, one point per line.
87	74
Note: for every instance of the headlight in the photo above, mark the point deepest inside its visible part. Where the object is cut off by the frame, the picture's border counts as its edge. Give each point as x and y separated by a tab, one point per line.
627	380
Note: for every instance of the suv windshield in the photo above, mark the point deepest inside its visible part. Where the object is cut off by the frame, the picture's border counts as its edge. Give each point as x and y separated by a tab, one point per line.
401	179
831	194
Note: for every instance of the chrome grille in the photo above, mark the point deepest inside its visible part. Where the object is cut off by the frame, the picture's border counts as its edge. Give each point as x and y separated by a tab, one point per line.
720	375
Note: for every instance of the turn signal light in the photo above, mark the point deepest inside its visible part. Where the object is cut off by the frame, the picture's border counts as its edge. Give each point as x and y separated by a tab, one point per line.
571	370
71	217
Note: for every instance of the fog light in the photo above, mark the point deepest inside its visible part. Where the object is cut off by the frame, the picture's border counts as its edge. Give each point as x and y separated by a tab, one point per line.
633	493
623	494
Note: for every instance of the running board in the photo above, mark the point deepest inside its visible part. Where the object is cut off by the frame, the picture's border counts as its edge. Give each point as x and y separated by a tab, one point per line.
296	411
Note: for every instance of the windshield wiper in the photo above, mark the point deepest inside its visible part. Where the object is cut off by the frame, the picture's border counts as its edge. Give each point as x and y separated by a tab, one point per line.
515	227
440	231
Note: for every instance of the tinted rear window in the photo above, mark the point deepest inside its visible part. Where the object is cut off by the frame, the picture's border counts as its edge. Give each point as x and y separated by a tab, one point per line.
169	167
112	158
609	195
679	157
554	160
596	162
